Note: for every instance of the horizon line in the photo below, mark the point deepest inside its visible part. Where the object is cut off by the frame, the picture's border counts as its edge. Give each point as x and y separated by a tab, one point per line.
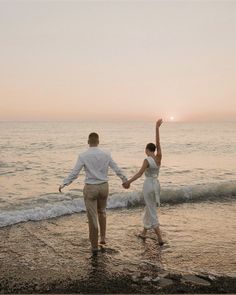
117	120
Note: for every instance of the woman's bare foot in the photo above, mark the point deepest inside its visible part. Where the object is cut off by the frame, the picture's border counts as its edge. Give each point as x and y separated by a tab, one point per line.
141	236
160	242
159	237
103	242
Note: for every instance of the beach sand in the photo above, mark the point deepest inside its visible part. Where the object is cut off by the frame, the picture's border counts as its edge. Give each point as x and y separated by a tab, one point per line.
53	256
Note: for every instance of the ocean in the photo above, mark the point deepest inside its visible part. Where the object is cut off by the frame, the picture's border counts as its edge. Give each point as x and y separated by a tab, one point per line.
199	164
44	243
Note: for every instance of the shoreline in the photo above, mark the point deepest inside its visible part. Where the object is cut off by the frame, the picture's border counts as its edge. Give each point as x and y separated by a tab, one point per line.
53	256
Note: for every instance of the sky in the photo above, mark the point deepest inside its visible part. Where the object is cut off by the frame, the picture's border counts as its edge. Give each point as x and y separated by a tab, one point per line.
118	60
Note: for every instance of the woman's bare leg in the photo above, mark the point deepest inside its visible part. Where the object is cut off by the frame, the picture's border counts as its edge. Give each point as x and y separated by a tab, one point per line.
159	237
144	232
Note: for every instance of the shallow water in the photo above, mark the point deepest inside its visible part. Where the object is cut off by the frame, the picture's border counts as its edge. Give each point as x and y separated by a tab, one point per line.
196	241
199	162
202	237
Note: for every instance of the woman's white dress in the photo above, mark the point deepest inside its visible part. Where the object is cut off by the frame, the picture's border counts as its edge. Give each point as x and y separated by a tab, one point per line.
151	194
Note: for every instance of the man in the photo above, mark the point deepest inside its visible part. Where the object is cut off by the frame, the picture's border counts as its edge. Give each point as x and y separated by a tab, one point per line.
95	163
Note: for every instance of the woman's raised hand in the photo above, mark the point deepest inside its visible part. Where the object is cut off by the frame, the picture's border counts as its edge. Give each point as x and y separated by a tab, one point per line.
159	122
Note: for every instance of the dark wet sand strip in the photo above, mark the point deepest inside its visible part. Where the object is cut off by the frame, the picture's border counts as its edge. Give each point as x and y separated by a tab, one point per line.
53	256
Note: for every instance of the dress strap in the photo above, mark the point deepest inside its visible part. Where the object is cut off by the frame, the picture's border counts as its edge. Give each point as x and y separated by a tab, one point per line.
151	161
148	159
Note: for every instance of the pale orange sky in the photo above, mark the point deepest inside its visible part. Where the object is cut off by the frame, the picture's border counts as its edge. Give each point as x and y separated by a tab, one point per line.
121	60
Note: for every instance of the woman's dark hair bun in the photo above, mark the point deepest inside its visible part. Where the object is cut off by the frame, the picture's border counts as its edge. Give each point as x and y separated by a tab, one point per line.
151	147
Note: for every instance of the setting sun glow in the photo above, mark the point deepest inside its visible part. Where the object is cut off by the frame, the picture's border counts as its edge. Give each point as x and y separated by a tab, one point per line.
61	61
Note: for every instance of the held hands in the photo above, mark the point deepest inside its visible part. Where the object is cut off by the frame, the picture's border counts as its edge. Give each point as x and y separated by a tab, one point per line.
126	185
158	123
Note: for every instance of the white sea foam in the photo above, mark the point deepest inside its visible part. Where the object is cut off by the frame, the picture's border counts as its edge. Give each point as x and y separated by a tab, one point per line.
53	208
45	211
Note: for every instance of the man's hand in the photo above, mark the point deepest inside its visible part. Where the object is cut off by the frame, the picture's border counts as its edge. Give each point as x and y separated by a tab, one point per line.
60	188
159	122
126	185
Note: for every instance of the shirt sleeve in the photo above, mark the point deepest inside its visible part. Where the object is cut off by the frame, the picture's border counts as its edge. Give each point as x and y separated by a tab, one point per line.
117	170
74	172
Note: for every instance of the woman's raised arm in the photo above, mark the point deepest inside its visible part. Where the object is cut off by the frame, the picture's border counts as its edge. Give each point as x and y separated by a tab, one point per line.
158	144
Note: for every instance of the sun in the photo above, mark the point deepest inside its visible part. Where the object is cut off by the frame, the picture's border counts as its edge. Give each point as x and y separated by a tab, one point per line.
172	118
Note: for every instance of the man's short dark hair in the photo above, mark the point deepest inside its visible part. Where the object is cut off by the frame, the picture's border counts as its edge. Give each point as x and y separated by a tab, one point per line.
93	138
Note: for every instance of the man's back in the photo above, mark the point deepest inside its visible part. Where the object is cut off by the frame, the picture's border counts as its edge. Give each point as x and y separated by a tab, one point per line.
96	163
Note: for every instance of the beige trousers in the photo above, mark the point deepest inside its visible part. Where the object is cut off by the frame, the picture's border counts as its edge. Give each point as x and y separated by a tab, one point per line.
95	197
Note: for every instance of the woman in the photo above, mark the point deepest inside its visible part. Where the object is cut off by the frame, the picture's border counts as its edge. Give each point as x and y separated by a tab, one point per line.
151	186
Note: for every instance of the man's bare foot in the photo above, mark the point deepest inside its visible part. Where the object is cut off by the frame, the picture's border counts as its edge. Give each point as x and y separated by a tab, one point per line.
102	242
95	251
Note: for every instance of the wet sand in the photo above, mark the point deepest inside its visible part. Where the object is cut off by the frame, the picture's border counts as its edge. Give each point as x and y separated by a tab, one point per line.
53	256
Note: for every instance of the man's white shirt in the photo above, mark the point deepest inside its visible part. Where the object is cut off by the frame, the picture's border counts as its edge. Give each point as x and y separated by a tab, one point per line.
96	163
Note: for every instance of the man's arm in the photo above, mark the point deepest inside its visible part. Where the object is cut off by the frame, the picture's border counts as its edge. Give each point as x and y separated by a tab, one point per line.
117	170
73	174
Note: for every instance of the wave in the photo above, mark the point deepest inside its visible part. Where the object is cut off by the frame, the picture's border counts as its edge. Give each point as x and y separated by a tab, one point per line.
52	207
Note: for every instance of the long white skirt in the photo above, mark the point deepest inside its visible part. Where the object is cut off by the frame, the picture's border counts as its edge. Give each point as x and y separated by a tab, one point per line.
151	195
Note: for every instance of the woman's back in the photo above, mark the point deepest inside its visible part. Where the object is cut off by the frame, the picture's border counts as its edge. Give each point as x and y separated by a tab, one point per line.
153	169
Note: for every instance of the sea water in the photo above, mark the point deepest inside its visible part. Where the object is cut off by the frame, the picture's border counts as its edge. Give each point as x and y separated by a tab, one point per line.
199	164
